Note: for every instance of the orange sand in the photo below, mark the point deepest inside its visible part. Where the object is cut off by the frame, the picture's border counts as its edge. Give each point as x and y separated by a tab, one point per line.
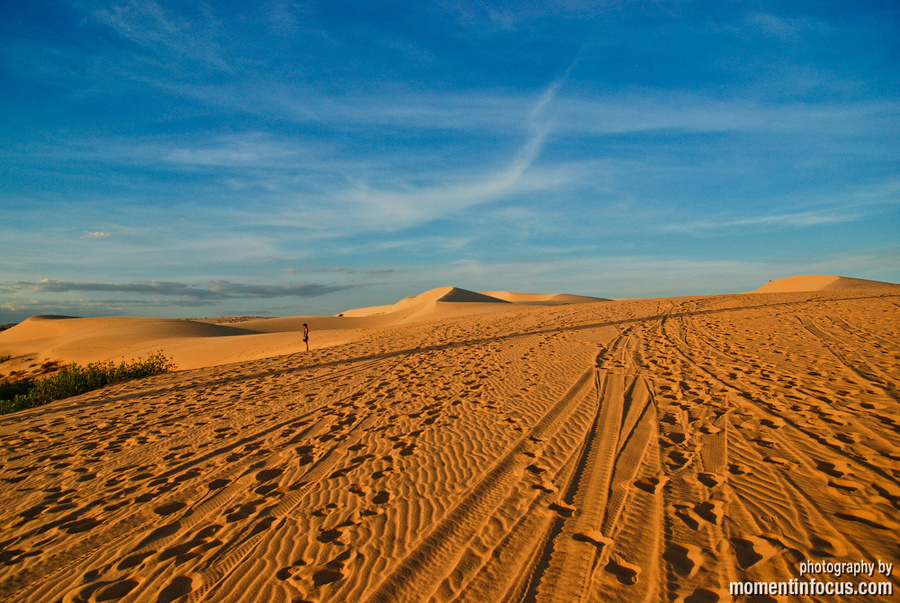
637	450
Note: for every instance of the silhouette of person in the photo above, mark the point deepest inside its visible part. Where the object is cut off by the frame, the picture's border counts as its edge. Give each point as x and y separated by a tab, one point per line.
306	336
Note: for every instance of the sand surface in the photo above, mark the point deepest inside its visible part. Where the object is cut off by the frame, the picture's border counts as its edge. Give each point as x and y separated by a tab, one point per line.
640	450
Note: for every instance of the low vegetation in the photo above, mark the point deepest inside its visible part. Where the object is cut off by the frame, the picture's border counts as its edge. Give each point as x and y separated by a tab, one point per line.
76	379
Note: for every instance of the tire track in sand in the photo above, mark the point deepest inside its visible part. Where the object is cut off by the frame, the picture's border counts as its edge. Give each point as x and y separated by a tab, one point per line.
419	573
614	449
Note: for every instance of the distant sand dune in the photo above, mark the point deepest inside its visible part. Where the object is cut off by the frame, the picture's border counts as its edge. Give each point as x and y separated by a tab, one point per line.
541	299
632	450
822	282
66	339
452	301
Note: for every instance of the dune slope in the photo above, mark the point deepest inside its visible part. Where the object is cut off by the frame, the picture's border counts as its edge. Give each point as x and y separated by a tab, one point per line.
823	282
616	451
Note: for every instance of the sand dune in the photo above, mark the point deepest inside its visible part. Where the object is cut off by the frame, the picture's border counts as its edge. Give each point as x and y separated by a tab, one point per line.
540	299
429	305
202	343
634	450
822	282
191	344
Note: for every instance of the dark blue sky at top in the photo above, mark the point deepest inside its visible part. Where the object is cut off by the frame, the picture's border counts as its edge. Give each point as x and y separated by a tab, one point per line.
187	158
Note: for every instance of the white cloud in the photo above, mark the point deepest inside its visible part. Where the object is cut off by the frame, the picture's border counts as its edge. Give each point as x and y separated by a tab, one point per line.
787	29
98	234
164	35
842	207
209	291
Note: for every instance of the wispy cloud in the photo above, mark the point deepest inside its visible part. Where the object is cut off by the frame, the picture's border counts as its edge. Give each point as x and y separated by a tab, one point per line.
651	110
844	207
97	234
164	34
784	28
216	290
803	219
401	207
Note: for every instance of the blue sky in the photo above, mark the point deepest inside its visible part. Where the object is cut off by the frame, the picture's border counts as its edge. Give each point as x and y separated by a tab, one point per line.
282	158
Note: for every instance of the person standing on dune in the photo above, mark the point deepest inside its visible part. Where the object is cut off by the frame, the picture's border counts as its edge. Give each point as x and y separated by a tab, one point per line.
306	336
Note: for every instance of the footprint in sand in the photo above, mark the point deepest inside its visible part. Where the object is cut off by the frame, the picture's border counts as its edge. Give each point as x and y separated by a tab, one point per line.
777	460
672	439
767	442
827	547
710	480
217	484
625	572
752	550
651	484
546	486
208	531
328	535
536	468
669	418
834	468
712	511
383	472
677	459
80	525
594	537
180	586
182	552
268	474
169	508
334	569
687	514
326	510
134	560
845	484
562	508
848	438
738	469
685	558
773	422
706	595
116	590
288	571
359	489
240	513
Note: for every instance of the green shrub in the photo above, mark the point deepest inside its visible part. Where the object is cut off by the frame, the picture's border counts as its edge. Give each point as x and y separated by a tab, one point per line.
5	357
76	379
11	389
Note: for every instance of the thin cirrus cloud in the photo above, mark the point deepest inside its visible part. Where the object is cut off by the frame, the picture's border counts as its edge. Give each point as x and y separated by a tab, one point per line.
166	35
216	290
394	208
842	207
